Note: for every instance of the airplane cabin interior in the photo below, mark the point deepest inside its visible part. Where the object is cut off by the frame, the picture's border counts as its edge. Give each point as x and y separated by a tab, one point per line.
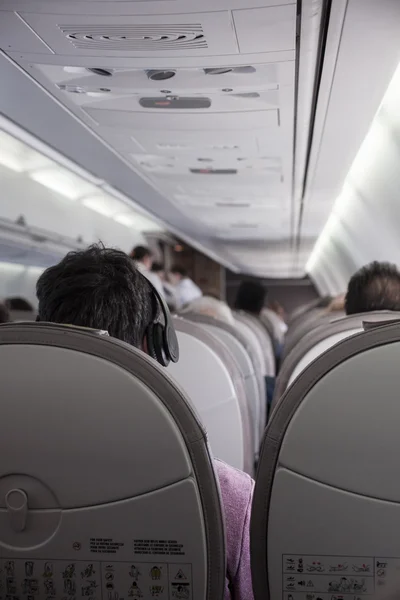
199	299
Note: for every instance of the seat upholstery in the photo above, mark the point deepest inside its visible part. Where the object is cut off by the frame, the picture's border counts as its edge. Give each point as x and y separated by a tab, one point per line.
327	496
213	382
106	476
318	340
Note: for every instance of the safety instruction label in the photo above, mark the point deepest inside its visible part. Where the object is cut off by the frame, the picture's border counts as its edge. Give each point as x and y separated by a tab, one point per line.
69	580
306	577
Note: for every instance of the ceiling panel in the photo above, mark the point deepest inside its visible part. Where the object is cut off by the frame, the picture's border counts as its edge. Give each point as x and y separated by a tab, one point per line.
267	29
208	124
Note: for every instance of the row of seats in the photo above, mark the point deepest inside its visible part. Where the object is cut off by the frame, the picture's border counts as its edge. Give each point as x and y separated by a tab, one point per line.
222	368
156	429
322	334
326	498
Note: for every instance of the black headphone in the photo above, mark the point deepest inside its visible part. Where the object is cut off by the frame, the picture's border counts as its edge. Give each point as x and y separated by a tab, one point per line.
161	338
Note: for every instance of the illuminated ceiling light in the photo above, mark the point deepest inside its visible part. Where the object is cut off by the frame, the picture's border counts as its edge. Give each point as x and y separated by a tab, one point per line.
373	146
19	157
101	204
63	182
125	219
137	221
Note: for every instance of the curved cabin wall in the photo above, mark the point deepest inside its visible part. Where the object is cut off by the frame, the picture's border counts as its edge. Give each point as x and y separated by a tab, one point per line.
365	224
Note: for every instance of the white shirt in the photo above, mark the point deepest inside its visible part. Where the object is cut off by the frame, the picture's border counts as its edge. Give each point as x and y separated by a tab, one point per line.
187	291
152	277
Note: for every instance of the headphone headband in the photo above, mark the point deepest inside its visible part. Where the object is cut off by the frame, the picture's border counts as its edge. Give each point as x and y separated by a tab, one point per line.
169	343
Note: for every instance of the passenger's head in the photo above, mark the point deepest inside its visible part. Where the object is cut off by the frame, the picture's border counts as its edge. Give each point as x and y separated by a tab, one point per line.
4	313
19	304
207	305
374	287
98	288
143	255
177	273
251	297
158	269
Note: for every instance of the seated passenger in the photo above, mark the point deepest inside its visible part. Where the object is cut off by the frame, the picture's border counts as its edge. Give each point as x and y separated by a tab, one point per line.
20	309
207	305
19	304
143	260
251	297
169	290
4	313
101	288
186	289
373	287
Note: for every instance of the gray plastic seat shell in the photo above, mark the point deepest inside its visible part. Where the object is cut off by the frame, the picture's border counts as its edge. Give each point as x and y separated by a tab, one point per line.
238	345
94	361
349	498
210	377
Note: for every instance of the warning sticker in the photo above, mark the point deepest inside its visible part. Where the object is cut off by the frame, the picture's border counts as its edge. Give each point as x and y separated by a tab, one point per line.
306	577
161	547
106	580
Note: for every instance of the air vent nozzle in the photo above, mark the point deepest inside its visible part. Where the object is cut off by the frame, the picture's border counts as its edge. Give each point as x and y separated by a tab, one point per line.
218	71
100	71
225	70
159	75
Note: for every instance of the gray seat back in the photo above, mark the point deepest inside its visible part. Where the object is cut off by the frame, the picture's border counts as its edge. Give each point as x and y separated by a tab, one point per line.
239	347
211	378
264	338
276	323
258	369
107	477
318	340
327	496
266	360
312	319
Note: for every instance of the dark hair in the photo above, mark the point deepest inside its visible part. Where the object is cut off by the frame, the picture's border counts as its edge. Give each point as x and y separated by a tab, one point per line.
19	304
251	297
178	270
100	288
374	287
4	313
157	267
140	252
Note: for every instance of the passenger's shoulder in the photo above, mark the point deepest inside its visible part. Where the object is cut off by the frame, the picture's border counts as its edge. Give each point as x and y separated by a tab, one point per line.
234	483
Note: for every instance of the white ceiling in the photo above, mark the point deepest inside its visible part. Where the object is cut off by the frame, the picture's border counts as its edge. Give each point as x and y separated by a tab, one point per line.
228	167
